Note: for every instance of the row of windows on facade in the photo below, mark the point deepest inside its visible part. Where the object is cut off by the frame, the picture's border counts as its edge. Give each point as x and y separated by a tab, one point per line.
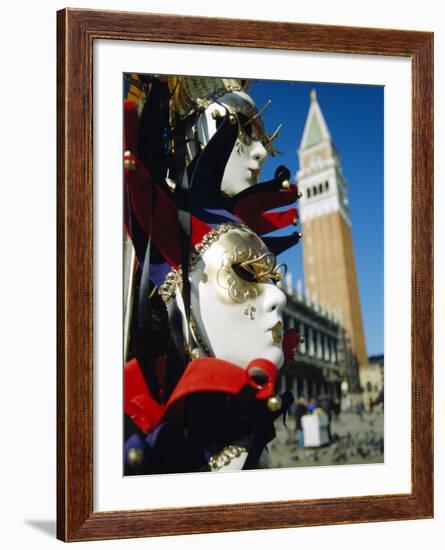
317	189
315	344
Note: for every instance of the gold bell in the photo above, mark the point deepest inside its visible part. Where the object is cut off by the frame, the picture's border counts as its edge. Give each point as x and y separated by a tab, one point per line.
232	118
274	403
193	353
135	457
285	184
216	114
295	221
130	165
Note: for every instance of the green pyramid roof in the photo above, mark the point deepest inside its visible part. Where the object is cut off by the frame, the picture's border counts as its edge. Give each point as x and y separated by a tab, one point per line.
314	134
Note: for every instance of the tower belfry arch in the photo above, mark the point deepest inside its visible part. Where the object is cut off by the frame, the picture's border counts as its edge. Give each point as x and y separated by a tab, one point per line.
328	254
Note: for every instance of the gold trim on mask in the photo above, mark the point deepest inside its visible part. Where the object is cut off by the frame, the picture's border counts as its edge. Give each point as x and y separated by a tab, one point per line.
173	279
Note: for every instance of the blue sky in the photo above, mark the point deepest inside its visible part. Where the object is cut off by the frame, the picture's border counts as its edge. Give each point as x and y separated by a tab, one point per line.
354	115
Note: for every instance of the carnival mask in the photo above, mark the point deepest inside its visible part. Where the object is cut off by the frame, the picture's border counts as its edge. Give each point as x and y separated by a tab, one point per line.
236	306
252	145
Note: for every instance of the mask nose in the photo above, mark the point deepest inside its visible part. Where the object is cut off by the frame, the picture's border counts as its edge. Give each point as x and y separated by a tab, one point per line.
275	299
258	152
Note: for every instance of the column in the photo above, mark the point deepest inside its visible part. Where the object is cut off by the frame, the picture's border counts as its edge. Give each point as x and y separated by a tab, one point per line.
311	341
333	351
305	388
319	345
302	347
327	354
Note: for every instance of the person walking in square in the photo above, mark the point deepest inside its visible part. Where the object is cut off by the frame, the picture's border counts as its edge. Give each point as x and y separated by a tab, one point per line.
312	405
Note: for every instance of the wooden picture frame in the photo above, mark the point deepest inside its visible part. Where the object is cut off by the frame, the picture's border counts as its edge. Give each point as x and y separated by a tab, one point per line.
77	31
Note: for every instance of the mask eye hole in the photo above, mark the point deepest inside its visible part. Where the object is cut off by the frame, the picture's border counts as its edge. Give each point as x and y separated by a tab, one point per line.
261	269
253	129
245	124
244	274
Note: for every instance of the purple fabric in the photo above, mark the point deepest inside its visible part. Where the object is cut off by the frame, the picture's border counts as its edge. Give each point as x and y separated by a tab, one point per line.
216	216
158	272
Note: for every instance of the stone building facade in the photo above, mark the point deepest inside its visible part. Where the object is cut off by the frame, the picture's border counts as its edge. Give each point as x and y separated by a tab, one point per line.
323	358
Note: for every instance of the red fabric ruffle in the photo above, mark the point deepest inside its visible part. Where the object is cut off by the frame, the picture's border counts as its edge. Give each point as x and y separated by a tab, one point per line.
201	375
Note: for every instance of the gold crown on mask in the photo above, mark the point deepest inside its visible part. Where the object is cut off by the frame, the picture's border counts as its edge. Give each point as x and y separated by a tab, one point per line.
192	93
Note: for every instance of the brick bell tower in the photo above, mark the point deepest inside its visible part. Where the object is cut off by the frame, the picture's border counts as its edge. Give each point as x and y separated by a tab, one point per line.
328	254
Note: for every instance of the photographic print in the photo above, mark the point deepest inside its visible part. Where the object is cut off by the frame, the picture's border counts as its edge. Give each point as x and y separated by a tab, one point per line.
220	275
253	274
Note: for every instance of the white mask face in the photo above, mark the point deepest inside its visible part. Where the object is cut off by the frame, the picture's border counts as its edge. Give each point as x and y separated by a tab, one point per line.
243	167
249	153
235	302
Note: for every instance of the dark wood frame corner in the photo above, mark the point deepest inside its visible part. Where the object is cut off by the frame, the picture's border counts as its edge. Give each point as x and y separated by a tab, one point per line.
77	30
